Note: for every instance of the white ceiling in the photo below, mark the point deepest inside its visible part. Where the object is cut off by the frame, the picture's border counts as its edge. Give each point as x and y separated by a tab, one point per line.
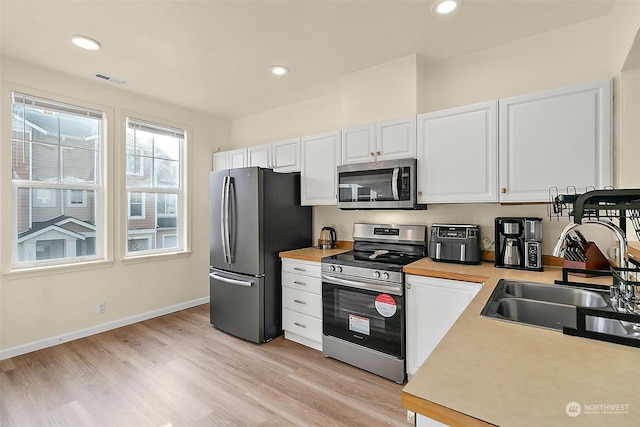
214	56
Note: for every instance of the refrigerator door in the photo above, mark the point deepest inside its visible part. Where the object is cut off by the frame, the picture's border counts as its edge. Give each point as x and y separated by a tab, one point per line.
237	304
245	221
217	211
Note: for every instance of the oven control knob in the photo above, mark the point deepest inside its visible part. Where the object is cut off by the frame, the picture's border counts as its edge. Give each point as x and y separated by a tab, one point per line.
332	268
385	276
376	274
339	269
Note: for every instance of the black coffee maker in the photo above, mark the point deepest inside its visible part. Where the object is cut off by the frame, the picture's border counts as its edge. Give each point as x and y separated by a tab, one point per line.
518	243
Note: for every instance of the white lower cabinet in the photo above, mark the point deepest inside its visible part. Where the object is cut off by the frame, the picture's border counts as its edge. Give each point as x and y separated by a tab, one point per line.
433	306
302	302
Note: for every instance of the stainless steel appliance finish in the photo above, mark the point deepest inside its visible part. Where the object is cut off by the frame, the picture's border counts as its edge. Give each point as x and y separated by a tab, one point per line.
455	243
518	243
254	214
363	298
388	184
328	238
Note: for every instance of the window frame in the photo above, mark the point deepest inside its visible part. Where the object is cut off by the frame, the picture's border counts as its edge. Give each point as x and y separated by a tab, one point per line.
60	104
181	192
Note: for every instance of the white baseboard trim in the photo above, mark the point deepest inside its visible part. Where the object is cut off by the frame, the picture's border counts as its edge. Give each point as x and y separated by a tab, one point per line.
50	342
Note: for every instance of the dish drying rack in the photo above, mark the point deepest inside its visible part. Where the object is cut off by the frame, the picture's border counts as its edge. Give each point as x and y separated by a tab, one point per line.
610	203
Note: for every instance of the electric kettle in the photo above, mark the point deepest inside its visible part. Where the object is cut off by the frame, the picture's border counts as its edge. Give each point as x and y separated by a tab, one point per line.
327	238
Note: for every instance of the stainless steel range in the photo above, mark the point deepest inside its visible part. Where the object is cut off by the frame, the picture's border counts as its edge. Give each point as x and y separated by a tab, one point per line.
363	298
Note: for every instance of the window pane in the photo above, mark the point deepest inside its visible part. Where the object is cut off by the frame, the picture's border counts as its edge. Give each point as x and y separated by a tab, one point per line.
45	165
80	132
143	169
167	173
48	229
139	142
21	154
79	165
37	124
166	147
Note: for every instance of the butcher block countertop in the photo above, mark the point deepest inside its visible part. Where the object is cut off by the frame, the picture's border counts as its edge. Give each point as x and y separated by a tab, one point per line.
316	254
490	372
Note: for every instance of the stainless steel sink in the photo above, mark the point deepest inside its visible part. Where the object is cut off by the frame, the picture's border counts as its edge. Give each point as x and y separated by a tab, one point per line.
552	307
555	293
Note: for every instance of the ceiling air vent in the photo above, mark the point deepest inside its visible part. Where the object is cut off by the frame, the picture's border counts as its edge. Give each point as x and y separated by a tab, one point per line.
109	78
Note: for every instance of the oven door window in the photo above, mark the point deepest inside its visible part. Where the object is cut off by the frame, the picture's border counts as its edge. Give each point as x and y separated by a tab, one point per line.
371	319
370	185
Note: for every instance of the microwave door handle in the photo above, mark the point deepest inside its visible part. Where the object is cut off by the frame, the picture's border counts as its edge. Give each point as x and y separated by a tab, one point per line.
394	183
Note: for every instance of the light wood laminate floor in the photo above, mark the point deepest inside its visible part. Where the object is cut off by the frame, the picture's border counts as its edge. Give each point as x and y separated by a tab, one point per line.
177	370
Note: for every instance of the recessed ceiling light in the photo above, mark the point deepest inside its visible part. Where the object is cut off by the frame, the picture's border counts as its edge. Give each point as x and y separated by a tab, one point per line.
447	6
279	70
85	42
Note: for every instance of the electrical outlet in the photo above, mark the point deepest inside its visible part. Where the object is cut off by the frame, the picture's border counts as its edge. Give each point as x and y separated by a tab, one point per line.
102	307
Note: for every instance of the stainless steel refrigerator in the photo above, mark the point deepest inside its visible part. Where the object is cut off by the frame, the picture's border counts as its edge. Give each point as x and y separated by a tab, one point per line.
254	214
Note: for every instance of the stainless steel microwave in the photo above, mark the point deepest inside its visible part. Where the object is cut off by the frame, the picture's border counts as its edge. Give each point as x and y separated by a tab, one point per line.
389	184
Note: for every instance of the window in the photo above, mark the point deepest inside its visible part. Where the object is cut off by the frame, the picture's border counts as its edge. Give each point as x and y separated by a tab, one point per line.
57	181
155	165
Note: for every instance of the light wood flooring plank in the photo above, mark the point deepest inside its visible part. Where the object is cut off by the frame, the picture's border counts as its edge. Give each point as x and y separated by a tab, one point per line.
178	370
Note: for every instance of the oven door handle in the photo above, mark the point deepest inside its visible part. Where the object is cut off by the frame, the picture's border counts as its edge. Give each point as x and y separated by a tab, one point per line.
394	289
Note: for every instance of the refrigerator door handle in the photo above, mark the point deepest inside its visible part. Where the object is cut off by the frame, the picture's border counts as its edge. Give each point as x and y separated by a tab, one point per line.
224	216
230	281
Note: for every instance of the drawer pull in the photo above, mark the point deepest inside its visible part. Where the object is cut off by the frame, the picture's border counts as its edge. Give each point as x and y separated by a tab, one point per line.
298	301
300	283
300	325
299	269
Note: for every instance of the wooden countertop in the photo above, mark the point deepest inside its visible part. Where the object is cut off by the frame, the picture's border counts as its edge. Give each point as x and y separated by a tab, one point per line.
316	254
485	371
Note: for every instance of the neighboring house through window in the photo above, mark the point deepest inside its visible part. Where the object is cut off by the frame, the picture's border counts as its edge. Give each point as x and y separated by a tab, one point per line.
57	181
155	164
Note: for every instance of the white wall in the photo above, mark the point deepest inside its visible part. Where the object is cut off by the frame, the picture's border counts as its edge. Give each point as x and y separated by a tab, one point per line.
37	307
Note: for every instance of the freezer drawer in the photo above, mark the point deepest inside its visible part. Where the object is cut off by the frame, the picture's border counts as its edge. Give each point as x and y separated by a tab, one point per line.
237	305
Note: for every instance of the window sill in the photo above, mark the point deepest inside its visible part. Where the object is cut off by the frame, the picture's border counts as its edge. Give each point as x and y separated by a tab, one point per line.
155	257
26	273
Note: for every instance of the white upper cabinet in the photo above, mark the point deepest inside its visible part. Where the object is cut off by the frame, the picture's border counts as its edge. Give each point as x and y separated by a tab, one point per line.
320	158
458	154
230	159
557	138
286	155
281	156
388	140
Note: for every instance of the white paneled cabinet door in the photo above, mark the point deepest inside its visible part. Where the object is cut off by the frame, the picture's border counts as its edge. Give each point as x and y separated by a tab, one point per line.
237	158
359	144
320	157
286	155
433	306
557	138
220	160
458	154
396	139
259	155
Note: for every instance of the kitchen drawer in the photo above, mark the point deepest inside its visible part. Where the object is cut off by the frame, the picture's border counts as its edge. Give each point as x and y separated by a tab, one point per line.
301	324
302	302
307	268
303	283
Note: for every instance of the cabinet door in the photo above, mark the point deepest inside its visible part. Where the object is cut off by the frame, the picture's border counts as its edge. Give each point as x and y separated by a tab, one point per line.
320	157
237	158
286	155
433	306
396	139
220	160
458	154
359	144
556	138
259	155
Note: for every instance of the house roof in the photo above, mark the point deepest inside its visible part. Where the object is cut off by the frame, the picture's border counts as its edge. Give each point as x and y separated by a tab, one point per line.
61	223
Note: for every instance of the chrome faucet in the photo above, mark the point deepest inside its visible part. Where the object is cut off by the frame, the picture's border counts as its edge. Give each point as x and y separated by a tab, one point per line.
623	297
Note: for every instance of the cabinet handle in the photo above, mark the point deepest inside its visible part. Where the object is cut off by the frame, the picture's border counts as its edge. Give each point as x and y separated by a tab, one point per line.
298	301
408	285
371	154
299	269
300	325
378	152
300	283
503	190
